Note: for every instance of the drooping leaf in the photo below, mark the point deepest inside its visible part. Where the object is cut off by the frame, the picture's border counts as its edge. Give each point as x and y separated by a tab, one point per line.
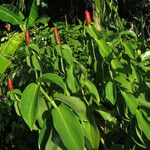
75	103
14	17
33	14
131	101
143	124
29	104
68	127
53	78
91	132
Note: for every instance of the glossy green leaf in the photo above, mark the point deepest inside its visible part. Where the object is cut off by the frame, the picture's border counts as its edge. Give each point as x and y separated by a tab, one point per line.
68	127
93	90
110	91
33	14
53	78
106	115
143	124
71	80
75	103
131	101
6	14
29	104
91	132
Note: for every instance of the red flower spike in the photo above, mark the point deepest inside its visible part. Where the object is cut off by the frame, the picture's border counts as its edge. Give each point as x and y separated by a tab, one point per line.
87	17
10	84
56	36
27	34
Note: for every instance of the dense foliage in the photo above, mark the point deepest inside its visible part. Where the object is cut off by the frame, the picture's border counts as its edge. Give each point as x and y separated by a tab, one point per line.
83	86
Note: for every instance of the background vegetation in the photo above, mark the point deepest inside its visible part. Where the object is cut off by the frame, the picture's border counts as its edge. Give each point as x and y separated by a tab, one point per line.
92	78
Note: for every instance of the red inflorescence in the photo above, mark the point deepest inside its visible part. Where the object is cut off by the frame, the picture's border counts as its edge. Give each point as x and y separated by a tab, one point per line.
10	84
27	34
88	17
56	35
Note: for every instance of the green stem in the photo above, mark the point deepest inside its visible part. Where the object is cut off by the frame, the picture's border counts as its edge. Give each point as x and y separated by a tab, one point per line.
50	100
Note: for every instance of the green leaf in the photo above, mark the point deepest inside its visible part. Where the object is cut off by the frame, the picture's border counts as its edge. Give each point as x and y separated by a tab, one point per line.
131	101
44	20
29	104
104	49
124	83
42	107
67	54
143	124
128	32
110	91
7	15
68	127
4	64
36	62
105	114
71	80
93	90
129	50
75	103
135	74
116	65
53	78
91	132
8	49
33	14
91	32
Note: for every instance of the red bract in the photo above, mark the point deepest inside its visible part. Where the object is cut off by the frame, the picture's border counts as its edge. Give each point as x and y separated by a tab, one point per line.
27	34
10	84
88	17
57	38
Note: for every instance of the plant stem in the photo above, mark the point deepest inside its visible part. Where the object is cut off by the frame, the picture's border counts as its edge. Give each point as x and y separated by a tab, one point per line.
46	95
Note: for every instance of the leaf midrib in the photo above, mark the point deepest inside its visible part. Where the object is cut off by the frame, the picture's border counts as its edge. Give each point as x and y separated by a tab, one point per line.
66	127
9	15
